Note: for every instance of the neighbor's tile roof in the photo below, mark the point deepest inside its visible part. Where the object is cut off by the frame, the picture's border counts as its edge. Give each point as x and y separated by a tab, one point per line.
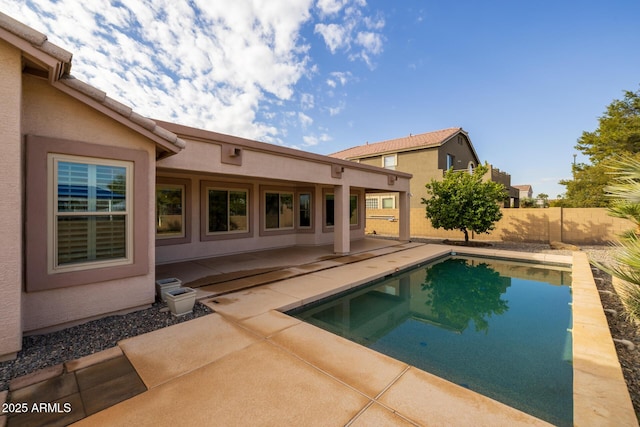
410	142
522	187
61	73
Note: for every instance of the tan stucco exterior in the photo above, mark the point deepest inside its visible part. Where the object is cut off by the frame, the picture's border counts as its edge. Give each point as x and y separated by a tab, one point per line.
11	202
50	113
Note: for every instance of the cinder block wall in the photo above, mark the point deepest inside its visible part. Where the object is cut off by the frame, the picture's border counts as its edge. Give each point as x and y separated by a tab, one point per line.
569	225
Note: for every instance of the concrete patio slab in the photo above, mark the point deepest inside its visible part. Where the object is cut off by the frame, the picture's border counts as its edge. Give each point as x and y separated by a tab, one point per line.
269	323
379	416
309	288
92	359
251	302
186	271
420	396
260	384
245	264
170	352
222	287
366	370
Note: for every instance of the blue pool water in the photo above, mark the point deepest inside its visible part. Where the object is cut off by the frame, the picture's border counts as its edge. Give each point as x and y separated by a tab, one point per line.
496	327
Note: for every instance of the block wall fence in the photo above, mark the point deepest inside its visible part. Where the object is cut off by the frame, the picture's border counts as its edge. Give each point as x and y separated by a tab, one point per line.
581	226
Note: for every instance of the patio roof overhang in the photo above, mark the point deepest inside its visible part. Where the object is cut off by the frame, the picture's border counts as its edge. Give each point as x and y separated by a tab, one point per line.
213	152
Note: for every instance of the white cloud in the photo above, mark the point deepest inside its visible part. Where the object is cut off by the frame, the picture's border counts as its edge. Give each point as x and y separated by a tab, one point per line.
307	101
341	77
338	77
206	64
371	42
305	120
224	66
372	23
335	36
331	7
354	30
334	111
312	140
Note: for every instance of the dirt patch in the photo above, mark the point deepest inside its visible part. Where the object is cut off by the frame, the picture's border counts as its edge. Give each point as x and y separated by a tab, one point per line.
470	243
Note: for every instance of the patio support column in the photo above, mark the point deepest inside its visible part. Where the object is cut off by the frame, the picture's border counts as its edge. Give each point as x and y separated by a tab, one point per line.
341	233
404	219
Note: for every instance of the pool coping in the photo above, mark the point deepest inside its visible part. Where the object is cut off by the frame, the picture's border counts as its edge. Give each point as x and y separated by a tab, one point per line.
600	392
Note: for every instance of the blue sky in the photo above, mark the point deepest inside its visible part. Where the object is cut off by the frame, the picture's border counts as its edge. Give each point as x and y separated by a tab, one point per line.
523	78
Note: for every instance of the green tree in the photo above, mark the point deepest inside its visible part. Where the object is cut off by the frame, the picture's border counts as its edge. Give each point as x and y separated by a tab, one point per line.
618	133
545	199
527	202
462	201
586	189
460	293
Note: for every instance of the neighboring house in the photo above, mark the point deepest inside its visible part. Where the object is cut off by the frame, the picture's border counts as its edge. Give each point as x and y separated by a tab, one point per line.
95	195
426	156
526	191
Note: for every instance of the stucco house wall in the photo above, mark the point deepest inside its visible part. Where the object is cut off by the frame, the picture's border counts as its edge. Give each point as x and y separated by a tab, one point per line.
47	112
11	201
459	147
425	166
422	164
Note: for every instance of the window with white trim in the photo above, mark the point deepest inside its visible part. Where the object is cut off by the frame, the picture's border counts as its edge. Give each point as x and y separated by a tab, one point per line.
388	202
227	210
91	207
170	212
278	210
390	161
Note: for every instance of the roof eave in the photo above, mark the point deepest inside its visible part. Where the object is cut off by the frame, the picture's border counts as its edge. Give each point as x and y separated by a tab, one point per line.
167	143
203	135
54	63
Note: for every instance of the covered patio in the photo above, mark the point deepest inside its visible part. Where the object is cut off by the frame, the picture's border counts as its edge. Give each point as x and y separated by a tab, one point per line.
220	275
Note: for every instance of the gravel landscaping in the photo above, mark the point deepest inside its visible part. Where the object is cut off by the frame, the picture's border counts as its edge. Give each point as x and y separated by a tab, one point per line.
41	351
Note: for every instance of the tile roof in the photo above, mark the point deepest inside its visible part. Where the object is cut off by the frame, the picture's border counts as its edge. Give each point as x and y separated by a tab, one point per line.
406	143
58	63
522	187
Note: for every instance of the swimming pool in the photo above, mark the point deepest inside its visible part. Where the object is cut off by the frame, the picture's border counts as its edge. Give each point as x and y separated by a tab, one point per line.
497	327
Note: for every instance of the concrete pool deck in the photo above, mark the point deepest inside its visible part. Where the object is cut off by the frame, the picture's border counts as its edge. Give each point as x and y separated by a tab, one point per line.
249	364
